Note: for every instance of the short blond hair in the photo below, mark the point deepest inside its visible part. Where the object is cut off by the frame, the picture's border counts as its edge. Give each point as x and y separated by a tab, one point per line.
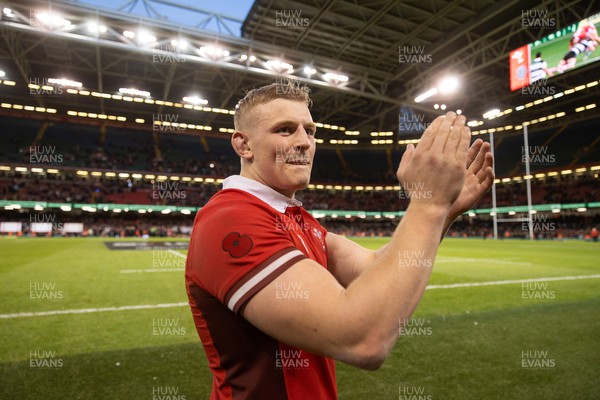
288	89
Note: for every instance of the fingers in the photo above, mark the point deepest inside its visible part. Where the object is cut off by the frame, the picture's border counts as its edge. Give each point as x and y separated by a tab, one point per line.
455	135
479	157
489	178
443	132
487	162
429	134
463	146
473	152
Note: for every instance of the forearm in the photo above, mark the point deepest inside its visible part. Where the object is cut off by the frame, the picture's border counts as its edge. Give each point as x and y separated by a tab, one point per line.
395	282
447	224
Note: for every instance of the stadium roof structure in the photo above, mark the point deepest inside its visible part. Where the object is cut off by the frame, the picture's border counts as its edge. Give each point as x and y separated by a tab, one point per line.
346	51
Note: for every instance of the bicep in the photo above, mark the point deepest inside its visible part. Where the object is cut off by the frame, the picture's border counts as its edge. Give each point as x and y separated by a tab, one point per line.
304	307
347	259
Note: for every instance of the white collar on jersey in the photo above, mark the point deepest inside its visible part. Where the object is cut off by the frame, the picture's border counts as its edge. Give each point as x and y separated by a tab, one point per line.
270	196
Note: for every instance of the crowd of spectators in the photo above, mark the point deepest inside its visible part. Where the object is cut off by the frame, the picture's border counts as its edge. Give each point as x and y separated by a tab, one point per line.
70	188
108	224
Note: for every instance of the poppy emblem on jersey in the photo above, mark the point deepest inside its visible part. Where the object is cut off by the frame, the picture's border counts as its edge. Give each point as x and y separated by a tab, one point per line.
237	245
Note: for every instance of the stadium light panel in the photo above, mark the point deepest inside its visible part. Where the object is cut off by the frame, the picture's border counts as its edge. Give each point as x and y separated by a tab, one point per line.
426	95
129	34
65	82
334	78
194	99
2	73
8	12
52	20
145	37
245	57
448	85
96	28
181	44
279	66
308	71
134	92
491	114
212	52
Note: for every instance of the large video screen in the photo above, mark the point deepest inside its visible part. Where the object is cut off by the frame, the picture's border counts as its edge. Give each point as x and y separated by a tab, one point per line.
562	51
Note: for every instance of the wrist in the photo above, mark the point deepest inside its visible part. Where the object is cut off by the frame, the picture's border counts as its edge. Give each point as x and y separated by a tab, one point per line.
435	212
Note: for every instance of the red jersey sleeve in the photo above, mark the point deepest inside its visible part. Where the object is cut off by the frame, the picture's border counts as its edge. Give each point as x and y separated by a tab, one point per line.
236	248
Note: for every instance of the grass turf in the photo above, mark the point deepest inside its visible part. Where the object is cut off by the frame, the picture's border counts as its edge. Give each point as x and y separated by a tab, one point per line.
471	348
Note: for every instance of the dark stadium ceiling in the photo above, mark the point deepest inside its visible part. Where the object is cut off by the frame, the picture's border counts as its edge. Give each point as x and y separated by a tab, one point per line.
359	39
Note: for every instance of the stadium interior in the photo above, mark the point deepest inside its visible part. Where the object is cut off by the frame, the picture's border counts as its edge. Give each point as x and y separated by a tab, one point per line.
90	145
116	119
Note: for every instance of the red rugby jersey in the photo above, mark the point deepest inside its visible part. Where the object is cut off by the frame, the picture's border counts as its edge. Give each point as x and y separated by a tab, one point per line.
246	236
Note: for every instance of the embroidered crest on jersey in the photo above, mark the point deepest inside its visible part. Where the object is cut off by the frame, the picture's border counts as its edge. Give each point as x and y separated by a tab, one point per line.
237	245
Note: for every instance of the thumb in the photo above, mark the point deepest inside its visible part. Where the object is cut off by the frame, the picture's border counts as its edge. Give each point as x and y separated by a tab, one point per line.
405	160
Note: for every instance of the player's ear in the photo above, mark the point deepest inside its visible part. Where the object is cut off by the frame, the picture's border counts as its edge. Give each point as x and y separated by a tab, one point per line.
239	142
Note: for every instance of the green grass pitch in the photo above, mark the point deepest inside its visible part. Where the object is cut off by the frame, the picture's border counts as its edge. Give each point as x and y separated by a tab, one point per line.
505	341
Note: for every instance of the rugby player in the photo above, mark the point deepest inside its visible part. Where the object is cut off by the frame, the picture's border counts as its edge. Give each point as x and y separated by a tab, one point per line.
275	297
538	69
584	40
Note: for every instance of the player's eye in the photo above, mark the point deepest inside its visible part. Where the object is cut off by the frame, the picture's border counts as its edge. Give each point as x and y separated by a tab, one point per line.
310	131
285	129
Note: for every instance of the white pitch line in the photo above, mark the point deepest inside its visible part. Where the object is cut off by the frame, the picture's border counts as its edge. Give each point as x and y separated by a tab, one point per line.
177	253
508	282
91	310
170	305
144	270
442	260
